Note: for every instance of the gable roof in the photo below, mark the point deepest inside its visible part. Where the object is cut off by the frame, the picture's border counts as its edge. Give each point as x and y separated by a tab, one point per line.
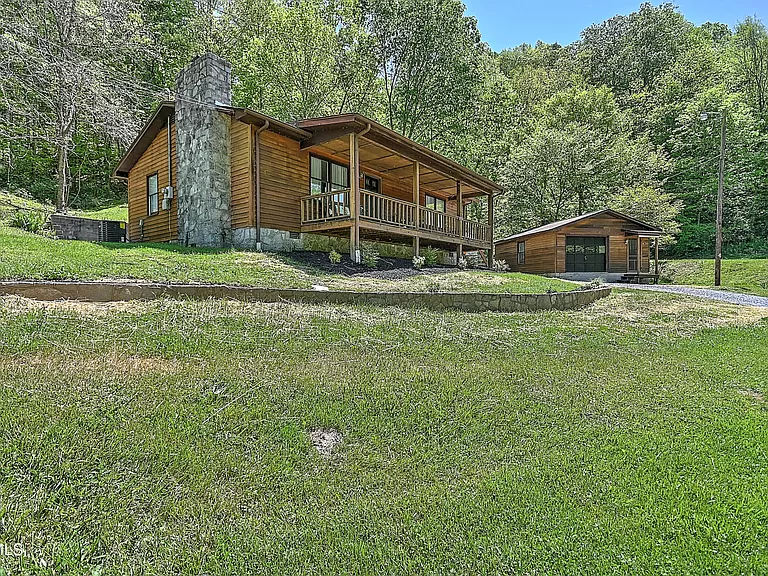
561	223
311	132
165	111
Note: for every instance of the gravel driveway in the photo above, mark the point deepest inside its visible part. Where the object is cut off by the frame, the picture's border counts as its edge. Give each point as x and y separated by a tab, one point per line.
730	297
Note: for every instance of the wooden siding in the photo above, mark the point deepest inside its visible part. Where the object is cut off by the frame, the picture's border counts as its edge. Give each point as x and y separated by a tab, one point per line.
284	180
160	227
539	254
545	251
243	191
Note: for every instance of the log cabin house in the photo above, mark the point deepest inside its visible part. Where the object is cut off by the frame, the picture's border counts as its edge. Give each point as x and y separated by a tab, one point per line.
603	244
205	173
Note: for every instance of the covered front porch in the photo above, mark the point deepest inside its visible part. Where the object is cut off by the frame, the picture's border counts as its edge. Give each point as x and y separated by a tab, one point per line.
369	182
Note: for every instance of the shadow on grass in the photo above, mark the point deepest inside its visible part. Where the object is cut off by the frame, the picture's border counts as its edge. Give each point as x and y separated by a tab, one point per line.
176	248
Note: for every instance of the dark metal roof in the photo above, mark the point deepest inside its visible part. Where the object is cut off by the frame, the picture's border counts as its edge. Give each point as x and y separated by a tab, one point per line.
560	223
147	135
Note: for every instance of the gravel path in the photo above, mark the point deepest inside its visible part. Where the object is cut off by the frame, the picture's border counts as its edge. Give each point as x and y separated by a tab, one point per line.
730	297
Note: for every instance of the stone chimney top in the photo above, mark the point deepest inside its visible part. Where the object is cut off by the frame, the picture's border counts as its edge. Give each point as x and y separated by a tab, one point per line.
206	80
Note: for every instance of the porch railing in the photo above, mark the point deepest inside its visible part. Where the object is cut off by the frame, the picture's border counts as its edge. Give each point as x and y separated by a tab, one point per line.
375	207
324	207
439	222
477	231
379	208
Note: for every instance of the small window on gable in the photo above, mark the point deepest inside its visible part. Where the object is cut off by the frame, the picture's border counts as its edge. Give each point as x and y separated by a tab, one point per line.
434	203
521	252
152	194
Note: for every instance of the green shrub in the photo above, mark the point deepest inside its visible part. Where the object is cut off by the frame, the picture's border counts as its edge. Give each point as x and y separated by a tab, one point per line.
431	255
500	266
694	240
29	220
370	256
334	257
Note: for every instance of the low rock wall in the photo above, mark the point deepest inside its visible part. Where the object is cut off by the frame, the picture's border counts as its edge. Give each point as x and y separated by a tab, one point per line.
466	301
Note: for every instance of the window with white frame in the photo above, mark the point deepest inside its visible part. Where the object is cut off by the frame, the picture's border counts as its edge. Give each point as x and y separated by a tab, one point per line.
153	194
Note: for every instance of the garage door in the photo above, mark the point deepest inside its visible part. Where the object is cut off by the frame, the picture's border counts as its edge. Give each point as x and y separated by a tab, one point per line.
585	254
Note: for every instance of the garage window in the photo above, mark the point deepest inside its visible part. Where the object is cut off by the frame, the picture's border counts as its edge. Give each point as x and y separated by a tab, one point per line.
521	252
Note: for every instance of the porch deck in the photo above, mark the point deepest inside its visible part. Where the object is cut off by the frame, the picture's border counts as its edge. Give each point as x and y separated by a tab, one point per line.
384	214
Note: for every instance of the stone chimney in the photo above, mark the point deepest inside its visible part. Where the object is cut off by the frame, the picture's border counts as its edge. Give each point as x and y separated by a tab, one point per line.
203	182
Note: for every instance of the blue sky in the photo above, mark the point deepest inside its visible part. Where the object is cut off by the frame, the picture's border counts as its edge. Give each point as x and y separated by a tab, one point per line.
507	23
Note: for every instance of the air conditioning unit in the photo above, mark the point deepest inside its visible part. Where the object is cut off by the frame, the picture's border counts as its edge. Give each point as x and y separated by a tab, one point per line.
168	192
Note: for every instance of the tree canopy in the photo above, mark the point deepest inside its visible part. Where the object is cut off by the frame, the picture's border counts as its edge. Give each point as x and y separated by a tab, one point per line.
613	119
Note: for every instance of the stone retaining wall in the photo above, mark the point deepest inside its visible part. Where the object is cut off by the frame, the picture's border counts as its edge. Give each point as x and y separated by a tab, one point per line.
468	302
78	228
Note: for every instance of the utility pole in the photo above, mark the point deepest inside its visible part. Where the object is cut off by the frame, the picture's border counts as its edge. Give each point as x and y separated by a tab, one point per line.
720	185
719	216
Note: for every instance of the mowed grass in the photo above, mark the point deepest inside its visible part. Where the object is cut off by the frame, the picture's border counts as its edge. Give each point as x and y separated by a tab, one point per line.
119	212
749	276
172	437
27	256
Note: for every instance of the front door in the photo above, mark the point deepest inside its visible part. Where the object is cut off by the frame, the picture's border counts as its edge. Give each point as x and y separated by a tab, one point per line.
585	254
632	253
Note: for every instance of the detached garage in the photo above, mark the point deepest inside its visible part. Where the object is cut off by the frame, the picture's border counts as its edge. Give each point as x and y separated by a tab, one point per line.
604	244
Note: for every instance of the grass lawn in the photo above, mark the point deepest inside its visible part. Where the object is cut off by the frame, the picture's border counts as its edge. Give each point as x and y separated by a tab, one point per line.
10	203
172	437
749	276
28	256
119	212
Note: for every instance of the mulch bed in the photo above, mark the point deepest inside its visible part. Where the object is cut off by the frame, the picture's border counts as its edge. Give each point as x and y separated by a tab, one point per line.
386	268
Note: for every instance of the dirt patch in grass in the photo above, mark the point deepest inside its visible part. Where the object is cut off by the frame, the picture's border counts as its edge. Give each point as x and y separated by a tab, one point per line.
19	304
113	362
753	395
325	440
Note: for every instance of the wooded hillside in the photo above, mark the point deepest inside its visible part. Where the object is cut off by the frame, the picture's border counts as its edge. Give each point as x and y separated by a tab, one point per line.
614	119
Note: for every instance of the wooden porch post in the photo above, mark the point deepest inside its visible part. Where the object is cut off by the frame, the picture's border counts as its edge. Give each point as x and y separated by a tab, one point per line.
656	257
490	223
256	213
416	172
460	214
257	195
354	194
